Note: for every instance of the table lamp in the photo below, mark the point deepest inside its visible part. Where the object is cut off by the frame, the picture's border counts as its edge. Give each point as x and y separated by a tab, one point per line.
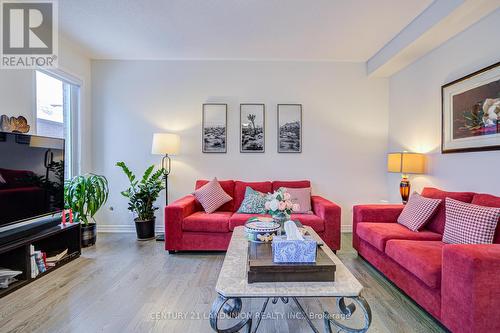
166	144
405	163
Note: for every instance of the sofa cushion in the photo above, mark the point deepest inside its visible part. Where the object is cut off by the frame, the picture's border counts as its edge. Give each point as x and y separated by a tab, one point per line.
240	219
203	222
377	234
227	186
488	200
418	211
291	184
240	188
314	221
422	258
437	222
469	224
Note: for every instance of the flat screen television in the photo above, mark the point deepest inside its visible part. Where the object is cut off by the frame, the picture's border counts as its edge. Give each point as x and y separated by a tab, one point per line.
31	178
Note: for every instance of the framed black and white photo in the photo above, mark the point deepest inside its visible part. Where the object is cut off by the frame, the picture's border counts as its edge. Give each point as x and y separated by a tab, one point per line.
214	128
289	128
252	128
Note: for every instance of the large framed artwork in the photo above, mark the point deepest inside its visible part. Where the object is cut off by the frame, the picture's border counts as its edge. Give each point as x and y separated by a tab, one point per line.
471	112
289	128
214	128
252	128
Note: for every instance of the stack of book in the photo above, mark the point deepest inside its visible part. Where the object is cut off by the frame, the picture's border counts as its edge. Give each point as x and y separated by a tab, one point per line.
54	259
40	262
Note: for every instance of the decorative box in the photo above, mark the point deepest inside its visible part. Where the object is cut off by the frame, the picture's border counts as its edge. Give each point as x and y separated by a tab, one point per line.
261	231
294	251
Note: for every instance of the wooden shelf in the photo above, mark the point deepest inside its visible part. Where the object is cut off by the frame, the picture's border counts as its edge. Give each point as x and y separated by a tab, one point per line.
16	255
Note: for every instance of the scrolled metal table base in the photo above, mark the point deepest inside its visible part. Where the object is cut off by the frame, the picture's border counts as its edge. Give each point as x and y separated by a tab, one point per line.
348	310
232	307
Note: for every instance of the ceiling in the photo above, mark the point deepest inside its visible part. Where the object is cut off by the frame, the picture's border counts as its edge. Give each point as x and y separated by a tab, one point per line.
340	30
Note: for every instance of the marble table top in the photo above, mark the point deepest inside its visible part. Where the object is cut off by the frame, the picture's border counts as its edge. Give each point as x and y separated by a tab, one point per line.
233	281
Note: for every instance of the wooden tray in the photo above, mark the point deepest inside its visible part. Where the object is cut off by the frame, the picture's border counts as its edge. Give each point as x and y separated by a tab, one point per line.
261	267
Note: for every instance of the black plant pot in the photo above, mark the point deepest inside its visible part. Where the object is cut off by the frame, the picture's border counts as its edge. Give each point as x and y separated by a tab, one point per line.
145	229
89	234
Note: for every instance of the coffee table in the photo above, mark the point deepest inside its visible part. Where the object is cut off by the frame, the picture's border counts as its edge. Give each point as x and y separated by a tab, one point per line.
232	286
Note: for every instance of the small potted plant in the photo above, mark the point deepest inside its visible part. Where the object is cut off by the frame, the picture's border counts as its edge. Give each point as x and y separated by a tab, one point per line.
85	195
280	206
141	195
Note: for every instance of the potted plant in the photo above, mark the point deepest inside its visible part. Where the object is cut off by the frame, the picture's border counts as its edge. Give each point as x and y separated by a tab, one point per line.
141	195
85	195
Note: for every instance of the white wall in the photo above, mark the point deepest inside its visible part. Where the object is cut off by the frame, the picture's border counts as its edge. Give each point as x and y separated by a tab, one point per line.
17	94
344	125
415	111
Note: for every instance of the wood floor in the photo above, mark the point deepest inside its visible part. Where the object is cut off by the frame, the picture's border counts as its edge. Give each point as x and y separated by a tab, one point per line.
121	285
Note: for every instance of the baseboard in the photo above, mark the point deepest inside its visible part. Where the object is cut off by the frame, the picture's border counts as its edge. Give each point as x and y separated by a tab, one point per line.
122	228
346	228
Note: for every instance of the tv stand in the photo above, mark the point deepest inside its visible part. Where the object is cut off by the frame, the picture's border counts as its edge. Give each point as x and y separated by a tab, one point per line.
16	255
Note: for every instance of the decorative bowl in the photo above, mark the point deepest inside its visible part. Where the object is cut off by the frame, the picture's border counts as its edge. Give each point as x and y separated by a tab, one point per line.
261	229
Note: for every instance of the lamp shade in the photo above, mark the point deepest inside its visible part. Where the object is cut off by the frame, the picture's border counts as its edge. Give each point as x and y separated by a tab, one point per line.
165	144
406	162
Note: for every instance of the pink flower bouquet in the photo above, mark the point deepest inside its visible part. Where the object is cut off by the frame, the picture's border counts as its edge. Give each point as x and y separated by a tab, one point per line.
280	202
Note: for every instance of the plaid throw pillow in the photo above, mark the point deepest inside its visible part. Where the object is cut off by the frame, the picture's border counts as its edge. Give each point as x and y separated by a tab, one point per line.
211	196
469	224
418	211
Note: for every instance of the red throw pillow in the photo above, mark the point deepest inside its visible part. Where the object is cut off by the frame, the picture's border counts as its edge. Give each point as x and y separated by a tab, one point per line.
469	224
418	211
211	196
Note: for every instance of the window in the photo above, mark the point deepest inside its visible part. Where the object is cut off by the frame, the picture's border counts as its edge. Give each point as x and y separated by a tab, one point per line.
57	107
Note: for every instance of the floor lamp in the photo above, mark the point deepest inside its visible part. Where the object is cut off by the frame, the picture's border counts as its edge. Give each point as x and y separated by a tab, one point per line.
166	144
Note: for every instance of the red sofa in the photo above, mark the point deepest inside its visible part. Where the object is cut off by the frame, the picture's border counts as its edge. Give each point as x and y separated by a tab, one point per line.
189	228
457	284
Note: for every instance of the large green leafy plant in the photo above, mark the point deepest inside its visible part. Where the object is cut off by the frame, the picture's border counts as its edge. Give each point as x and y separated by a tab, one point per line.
85	195
143	193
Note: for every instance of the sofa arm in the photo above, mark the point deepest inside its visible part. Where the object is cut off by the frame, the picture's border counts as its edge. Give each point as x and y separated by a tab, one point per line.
377	213
174	214
331	215
373	213
470	293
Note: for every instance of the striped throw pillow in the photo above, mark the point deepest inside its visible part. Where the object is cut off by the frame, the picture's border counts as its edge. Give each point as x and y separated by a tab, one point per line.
418	211
469	224
211	196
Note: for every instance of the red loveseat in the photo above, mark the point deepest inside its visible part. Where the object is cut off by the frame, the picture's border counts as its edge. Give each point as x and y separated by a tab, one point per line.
457	284
189	228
